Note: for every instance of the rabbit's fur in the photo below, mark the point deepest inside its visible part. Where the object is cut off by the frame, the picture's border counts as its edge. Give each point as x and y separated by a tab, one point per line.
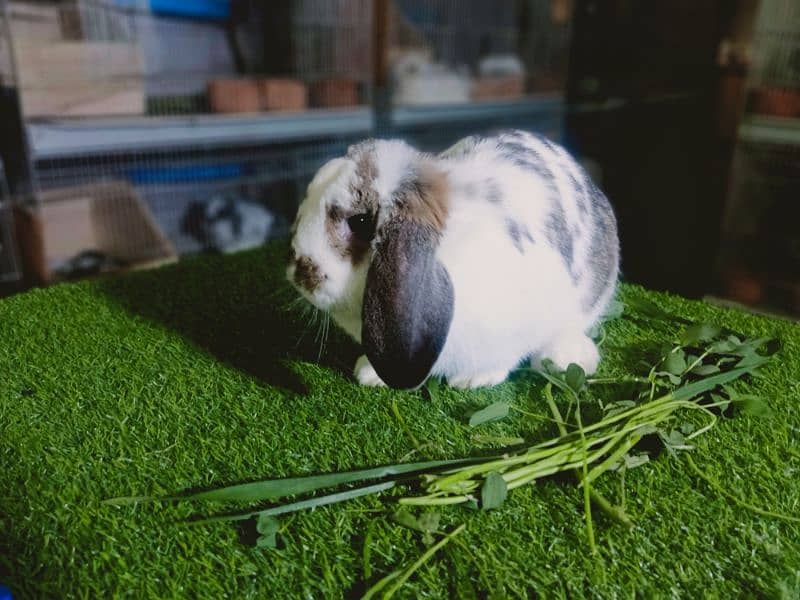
227	224
459	265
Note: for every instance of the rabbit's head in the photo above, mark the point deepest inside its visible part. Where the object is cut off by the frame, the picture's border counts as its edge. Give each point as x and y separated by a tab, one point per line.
364	249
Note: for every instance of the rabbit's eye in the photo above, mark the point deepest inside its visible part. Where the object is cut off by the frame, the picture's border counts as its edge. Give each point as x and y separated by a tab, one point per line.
363	226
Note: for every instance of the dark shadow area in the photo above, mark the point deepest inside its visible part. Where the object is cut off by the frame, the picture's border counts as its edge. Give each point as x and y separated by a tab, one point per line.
659	154
238	309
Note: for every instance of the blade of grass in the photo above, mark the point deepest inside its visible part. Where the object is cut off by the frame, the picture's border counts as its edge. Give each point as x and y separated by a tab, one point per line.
303	504
429	500
125	500
402	421
270	489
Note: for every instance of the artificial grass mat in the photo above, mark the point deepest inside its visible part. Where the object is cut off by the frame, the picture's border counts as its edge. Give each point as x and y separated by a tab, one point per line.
193	376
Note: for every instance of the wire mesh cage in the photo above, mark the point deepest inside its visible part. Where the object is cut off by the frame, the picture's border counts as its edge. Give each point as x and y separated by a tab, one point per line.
775	73
760	251
134	58
68	64
174	184
9	260
155	128
6	62
446	52
776	57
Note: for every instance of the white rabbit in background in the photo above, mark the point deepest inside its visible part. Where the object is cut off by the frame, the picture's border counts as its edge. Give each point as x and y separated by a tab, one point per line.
227	224
420	81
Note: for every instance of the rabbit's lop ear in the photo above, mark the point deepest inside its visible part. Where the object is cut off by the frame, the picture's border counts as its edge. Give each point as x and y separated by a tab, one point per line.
408	299
326	174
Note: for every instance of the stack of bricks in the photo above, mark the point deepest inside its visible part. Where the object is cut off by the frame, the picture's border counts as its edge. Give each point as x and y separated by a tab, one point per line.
257	95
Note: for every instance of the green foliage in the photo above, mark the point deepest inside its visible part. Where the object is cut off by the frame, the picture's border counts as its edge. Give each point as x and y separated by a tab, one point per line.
268	528
493	412
493	491
427	523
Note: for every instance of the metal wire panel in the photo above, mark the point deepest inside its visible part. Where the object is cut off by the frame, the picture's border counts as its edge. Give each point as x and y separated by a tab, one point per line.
776	56
760	253
468	66
10	269
114	94
171	180
9	260
333	38
6	62
460	33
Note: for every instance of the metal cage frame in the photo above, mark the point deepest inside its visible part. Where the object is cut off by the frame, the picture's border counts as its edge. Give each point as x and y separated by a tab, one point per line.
172	158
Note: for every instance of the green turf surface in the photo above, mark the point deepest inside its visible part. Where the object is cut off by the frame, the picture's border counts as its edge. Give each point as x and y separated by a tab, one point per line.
193	376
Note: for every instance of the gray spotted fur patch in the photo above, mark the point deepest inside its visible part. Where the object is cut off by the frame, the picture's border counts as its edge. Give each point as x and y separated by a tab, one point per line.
558	234
603	256
518	234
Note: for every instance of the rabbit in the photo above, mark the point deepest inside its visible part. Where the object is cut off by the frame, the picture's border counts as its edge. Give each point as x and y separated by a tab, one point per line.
459	265
420	81
227	224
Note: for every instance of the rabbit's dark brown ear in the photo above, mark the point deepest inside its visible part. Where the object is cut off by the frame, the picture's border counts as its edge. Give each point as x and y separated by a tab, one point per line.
408	299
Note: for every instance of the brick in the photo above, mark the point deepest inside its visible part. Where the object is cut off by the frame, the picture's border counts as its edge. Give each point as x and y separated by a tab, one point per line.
283	94
234	96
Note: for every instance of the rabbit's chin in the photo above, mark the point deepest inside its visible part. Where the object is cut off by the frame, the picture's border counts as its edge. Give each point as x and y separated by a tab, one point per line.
319	299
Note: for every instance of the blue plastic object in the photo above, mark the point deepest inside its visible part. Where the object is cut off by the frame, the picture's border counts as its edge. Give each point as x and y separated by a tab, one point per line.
5	593
209	10
188	174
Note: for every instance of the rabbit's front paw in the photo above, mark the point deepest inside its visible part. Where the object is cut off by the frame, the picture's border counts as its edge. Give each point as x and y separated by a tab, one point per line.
464	382
365	373
570	348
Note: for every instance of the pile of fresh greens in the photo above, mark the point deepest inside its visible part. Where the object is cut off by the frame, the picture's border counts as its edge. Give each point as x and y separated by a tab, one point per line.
680	395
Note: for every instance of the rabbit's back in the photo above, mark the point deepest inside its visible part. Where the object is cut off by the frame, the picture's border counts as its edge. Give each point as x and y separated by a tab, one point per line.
543	202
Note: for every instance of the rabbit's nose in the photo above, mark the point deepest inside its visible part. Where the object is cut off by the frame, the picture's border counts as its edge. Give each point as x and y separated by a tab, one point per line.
307	273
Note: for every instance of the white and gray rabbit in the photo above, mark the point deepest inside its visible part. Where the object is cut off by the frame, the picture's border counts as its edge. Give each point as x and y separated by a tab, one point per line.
228	224
459	265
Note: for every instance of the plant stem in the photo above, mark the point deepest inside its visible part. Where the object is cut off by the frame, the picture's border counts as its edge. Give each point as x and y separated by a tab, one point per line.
367	550
529	414
381	583
697	361
616	513
431	501
612	458
587	505
613	380
418	563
